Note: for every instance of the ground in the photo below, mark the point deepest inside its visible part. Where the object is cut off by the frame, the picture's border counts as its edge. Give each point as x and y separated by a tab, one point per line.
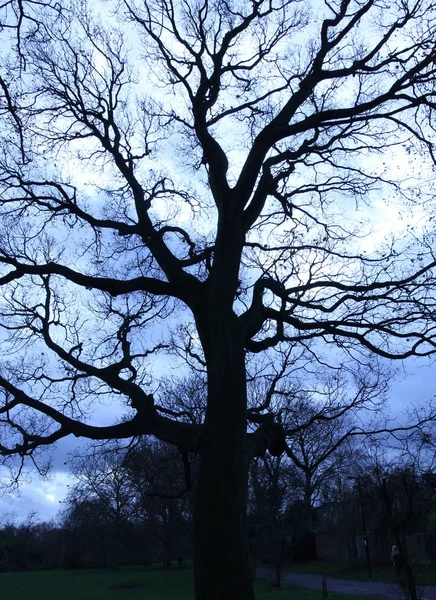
129	583
350	587
426	572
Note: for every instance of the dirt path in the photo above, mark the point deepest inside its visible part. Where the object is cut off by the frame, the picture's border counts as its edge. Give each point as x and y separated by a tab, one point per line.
379	590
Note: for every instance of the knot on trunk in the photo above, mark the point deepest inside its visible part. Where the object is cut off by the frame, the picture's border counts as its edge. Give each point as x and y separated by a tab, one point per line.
276	439
271	437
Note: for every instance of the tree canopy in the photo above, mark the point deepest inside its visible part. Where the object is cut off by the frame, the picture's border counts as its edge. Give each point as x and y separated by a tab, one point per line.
195	179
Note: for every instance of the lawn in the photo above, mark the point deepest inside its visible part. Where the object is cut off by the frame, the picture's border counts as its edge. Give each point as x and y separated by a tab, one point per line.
426	573
130	583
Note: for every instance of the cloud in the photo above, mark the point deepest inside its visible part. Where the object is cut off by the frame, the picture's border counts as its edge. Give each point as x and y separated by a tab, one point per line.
41	495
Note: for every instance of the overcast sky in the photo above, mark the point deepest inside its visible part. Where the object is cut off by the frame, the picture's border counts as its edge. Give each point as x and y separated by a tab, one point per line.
41	495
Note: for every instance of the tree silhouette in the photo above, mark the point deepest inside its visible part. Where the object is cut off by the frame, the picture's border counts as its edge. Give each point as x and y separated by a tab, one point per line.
205	177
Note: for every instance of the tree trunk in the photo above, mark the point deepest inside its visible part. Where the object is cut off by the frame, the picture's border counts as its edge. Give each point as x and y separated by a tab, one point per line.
221	553
277	573
222	565
406	576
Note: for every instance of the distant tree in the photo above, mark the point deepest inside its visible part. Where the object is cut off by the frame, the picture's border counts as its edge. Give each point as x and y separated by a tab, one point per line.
8	544
397	492
163	502
29	545
101	484
274	485
324	452
322	422
116	490
427	509
186	397
211	176
88	534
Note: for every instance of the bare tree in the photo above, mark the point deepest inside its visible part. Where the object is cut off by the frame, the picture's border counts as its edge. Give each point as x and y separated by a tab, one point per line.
274	484
101	476
324	451
163	503
280	115
398	488
141	484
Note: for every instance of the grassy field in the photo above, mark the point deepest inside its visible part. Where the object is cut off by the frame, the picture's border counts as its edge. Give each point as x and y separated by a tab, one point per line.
129	583
426	573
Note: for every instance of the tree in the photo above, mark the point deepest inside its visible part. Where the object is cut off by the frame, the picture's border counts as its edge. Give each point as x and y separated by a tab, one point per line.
101	478
32	544
320	421
163	504
270	480
283	118
88	536
398	487
137	488
324	451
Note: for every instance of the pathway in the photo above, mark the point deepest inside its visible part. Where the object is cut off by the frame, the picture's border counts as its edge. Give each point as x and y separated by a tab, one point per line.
374	589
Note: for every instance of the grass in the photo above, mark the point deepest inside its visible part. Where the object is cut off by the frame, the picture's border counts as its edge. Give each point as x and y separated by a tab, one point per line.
128	583
426	573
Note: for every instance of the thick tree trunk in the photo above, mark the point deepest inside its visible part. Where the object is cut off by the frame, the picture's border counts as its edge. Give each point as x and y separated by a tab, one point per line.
221	553
222	564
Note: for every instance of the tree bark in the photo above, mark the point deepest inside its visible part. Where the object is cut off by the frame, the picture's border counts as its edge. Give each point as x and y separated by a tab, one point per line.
222	565
221	553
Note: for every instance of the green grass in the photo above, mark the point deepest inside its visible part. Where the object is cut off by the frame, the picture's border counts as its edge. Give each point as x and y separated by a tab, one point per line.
128	583
426	573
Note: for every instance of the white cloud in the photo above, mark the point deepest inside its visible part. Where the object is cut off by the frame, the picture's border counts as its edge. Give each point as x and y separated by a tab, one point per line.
41	495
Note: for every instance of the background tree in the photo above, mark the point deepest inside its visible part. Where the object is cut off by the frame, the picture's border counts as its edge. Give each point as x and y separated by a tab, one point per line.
273	484
392	488
29	545
277	110
101	484
162	482
87	532
139	490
